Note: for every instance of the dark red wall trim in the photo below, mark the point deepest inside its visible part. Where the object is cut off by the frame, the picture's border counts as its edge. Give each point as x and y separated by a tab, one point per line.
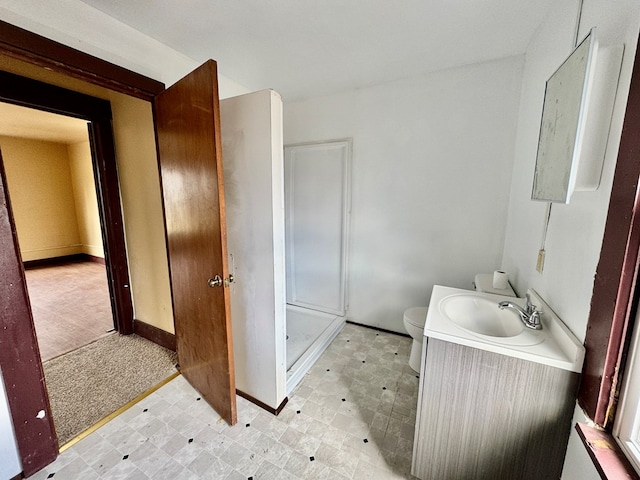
264	406
615	280
155	334
108	188
49	262
92	258
19	354
38	50
605	454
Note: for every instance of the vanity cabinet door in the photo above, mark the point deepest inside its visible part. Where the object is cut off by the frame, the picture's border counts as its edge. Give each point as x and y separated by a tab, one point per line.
486	416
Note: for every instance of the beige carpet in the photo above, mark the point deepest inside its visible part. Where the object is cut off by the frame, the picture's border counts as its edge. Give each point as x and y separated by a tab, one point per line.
92	382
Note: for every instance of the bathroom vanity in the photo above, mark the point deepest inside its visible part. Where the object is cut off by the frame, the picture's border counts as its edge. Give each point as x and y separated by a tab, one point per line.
496	398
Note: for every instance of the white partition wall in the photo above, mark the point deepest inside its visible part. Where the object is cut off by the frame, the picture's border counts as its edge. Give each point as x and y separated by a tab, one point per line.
254	189
317	209
9	459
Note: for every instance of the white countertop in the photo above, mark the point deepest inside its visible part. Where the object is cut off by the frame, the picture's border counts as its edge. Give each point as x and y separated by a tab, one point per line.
554	345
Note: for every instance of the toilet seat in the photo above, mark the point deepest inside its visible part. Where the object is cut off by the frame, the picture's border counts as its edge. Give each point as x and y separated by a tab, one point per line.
416	316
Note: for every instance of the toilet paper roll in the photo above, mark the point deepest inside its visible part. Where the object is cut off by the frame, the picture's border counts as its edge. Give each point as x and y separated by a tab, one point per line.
500	279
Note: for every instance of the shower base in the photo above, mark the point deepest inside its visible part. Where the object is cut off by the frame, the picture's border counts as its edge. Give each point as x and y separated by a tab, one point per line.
309	333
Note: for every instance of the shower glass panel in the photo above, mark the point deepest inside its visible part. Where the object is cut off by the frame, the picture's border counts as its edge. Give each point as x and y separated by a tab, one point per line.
316	206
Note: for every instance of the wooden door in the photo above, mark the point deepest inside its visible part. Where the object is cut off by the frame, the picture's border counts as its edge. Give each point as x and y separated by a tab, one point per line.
187	118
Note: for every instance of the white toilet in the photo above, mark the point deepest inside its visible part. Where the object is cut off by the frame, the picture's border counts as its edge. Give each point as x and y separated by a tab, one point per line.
414	319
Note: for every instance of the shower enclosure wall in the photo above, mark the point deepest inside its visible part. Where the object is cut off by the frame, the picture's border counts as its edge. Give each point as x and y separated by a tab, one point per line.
266	368
254	198
317	226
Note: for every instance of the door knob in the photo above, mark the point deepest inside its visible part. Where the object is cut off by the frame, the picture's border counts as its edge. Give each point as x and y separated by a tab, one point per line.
218	282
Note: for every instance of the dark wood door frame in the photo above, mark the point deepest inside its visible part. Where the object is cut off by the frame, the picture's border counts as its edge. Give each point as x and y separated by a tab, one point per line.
37	50
20	361
616	292
33	94
35	452
19	356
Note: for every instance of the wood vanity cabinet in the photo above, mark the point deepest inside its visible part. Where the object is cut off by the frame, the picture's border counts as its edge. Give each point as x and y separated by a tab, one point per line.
482	415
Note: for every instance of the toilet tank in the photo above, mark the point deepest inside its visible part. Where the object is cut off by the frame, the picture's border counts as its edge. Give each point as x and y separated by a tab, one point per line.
484	283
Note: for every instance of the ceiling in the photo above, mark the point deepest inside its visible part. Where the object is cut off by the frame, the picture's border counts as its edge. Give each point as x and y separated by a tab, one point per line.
35	124
307	48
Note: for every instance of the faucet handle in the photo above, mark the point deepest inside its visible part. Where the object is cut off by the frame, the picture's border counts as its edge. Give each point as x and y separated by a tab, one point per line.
528	306
534	318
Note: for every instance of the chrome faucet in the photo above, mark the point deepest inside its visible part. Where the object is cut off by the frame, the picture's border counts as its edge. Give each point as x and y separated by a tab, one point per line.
530	315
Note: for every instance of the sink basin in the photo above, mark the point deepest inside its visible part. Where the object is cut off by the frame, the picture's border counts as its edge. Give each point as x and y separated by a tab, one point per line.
481	315
473	319
478	314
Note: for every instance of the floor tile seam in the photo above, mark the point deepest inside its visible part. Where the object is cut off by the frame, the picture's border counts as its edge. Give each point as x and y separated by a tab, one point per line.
100	469
138	464
102	455
75	461
306	468
188	467
57	465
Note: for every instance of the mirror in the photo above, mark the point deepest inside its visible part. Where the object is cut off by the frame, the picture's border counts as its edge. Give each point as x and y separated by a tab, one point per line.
563	123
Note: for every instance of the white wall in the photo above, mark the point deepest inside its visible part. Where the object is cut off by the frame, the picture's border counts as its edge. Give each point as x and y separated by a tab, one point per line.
9	461
432	161
253	191
575	230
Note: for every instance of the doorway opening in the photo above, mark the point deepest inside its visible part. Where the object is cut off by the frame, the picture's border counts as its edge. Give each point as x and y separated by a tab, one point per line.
95	116
50	178
34	56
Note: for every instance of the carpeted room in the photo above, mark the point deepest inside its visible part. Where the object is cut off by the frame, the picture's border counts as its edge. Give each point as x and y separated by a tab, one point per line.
90	371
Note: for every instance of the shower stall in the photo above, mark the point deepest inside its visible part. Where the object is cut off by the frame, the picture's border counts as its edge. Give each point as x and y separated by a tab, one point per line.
316	239
287	303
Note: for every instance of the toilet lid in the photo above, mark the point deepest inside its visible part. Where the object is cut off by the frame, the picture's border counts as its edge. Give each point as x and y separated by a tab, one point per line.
416	316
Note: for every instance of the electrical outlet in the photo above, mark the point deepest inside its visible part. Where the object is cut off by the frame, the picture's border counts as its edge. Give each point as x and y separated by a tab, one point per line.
540	263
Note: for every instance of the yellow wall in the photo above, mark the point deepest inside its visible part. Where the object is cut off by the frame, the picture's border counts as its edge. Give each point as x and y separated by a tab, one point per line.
140	193
40	185
86	201
142	207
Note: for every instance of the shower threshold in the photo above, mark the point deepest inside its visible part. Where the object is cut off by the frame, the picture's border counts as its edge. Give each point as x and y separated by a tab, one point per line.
301	366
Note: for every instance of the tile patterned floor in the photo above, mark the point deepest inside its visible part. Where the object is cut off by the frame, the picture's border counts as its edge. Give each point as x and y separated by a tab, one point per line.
70	305
352	417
